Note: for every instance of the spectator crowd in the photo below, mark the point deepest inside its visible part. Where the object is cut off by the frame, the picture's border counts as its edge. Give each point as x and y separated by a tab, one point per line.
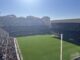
7	47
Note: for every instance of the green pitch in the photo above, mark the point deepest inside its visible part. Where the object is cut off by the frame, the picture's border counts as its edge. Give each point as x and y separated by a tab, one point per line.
45	47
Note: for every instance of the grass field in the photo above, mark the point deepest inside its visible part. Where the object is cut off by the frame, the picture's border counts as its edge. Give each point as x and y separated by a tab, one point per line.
45	47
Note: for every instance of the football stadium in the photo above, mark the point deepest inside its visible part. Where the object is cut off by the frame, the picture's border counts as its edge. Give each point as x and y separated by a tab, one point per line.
39	29
38	38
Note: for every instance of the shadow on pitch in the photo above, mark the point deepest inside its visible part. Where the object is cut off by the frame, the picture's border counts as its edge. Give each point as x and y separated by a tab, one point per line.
70	40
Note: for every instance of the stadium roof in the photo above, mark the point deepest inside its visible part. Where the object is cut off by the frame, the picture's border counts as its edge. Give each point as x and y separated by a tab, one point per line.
67	21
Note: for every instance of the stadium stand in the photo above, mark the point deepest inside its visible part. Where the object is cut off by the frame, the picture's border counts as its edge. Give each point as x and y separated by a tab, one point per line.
7	47
70	28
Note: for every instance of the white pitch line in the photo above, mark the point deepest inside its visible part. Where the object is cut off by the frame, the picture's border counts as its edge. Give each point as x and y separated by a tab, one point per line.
18	58
18	52
61	45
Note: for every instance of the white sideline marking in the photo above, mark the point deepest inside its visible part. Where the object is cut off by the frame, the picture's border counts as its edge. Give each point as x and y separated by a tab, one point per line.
61	47
18	52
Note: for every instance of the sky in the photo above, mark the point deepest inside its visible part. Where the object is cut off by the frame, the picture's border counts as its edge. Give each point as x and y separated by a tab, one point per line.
56	9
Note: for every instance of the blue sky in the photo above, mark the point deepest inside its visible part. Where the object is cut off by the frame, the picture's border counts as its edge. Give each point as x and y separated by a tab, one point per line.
56	9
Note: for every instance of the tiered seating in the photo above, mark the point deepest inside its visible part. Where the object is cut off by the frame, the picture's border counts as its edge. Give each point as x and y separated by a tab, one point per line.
7	47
